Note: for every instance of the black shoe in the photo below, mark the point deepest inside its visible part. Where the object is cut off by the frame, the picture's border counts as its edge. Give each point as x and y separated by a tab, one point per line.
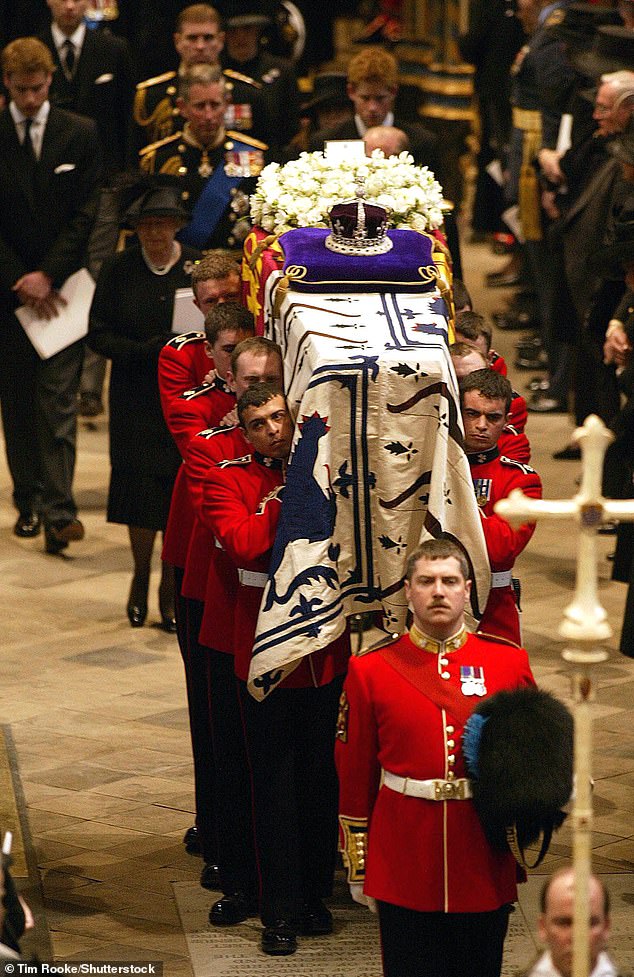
513	320
191	840
231	910
137	601
315	919
279	940
531	341
210	877
547	405
532	361
168	623
137	614
572	452
28	525
59	534
538	385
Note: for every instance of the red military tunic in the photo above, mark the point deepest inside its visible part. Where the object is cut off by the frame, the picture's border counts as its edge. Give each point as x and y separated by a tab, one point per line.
425	855
202	407
494	478
210	576
241	507
513	441
183	364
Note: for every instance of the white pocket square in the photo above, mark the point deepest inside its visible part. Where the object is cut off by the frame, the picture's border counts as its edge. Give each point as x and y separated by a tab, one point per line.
64	168
103	78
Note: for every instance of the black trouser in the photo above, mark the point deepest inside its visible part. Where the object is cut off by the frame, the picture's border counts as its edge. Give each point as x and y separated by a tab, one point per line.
233	801
189	614
39	416
418	944
290	737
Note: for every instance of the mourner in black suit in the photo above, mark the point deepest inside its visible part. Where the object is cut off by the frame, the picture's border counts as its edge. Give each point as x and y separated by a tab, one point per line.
372	88
49	176
93	76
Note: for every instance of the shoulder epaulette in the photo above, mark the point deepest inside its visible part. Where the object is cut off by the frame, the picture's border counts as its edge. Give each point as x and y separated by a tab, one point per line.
230	462
198	391
556	18
238	76
184	338
497	638
249	140
210	432
160	142
384	642
157	80
517	464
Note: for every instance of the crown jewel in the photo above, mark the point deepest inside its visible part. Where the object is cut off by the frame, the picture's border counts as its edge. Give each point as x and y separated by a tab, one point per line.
358	227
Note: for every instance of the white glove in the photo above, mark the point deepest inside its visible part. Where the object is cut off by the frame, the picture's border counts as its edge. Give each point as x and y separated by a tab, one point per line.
358	895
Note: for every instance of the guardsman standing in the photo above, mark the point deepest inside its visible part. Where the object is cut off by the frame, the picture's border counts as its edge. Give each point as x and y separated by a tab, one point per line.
215	169
485	399
410	836
198	39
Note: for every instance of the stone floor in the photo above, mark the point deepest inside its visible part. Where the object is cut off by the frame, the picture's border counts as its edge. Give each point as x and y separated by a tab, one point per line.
95	720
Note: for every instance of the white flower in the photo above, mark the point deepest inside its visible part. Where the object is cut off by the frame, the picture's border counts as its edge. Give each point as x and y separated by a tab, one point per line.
302	192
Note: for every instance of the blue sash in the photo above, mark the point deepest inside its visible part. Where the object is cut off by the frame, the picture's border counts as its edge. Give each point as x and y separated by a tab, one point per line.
210	206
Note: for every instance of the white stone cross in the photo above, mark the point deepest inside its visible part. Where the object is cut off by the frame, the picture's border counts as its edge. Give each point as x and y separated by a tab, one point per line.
584	622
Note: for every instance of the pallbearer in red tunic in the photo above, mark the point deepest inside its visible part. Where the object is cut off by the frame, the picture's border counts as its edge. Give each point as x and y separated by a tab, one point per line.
485	399
290	734
203	404
413	842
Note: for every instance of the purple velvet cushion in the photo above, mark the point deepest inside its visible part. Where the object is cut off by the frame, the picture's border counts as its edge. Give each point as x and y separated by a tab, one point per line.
311	267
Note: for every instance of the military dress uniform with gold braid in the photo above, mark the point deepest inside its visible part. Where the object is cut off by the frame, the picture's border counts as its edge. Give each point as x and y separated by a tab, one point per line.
414	840
155	115
233	164
279	94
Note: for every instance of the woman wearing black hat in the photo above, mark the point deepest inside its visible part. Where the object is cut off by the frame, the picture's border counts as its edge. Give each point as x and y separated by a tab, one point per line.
130	321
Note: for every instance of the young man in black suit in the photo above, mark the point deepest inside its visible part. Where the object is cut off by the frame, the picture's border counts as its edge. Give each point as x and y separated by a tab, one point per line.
50	171
93	76
372	89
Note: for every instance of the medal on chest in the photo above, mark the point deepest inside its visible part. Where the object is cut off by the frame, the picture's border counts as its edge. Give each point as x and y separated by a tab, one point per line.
205	168
239	116
244	162
472	680
482	488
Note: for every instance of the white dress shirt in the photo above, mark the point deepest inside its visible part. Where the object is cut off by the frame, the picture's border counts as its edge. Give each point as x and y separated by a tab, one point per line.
76	38
37	129
545	967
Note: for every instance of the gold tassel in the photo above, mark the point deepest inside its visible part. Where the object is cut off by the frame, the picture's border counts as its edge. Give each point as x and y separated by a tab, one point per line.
530	203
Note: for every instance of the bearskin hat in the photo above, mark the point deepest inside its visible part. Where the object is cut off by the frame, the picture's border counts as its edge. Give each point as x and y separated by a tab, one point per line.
518	746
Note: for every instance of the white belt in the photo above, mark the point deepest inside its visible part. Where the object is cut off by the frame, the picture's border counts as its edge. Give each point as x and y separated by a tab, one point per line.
429	790
250	578
503	578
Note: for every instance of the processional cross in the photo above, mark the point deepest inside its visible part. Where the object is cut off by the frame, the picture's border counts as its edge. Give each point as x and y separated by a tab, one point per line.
584	623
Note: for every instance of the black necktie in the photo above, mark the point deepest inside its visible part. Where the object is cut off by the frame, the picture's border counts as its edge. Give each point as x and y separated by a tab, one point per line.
68	57
27	145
